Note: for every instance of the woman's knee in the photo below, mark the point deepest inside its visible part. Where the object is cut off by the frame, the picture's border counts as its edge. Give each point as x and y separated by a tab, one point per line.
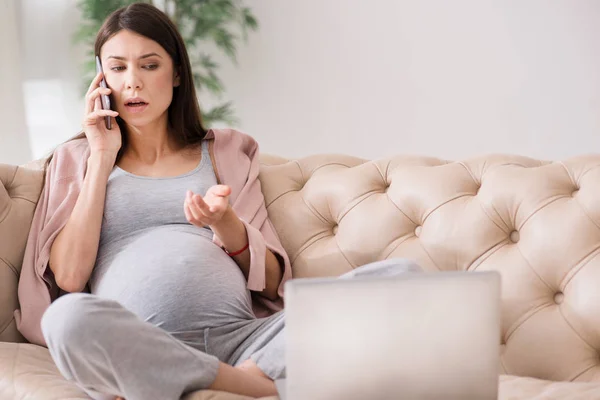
67	319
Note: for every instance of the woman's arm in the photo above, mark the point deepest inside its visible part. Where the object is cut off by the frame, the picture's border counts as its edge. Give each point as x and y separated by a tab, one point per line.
73	253
232	233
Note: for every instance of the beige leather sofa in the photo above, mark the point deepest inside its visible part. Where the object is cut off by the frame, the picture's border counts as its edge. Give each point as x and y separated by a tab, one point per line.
536	222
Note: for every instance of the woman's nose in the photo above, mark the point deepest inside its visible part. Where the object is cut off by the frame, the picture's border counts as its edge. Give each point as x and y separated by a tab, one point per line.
133	81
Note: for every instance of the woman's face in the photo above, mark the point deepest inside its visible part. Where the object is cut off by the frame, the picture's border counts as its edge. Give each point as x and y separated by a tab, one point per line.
141	76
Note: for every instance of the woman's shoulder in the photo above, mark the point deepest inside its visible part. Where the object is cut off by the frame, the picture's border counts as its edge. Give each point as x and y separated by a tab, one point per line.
70	158
229	134
232	140
77	146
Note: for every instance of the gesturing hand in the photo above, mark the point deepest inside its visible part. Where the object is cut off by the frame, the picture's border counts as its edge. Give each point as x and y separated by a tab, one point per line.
207	210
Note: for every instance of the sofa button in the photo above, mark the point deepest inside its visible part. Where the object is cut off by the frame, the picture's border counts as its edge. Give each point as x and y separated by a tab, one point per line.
335	229
514	236
418	231
559	298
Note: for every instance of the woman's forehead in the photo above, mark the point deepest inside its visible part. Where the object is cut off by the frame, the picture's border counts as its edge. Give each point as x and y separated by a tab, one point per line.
131	46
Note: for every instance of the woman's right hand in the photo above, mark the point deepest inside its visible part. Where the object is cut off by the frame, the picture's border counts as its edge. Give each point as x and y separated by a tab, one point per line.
100	139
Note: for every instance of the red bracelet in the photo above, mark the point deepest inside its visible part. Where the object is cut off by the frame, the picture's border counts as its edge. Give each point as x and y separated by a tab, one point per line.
236	253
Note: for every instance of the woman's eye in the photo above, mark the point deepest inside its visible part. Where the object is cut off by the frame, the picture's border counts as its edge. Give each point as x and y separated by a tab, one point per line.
121	67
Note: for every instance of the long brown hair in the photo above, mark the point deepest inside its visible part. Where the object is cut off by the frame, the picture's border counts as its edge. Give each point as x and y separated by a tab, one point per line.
184	119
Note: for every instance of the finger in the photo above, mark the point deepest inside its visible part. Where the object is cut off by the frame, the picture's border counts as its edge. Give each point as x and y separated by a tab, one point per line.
93	98
216	203
188	214
198	209
92	118
187	202
201	204
219	190
95	83
103	113
94	86
196	212
222	205
222	190
97	104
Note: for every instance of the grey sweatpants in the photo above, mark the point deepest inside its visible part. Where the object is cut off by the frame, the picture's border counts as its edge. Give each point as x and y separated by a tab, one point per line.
108	351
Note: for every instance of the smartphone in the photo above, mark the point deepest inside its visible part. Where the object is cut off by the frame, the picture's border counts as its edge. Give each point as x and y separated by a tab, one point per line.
104	99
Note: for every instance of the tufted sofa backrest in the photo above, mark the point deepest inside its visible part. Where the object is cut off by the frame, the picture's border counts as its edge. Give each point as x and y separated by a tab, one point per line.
536	222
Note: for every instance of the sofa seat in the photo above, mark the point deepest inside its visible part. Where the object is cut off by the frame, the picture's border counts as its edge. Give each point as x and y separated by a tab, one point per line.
521	388
28	372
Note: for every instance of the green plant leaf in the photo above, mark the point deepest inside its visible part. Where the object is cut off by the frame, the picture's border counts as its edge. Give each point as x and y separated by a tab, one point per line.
225	40
210	82
248	21
207	62
223	113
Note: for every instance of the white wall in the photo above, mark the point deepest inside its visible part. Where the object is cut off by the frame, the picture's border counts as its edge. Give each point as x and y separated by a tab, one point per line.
51	84
373	78
14	142
445	78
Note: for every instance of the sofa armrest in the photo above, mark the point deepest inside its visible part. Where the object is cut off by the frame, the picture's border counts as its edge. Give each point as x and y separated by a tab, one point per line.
20	189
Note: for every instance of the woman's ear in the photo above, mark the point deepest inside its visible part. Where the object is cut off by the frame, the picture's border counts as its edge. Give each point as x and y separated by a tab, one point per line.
176	76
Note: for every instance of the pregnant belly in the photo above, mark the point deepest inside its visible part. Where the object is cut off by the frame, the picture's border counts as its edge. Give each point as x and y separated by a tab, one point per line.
176	279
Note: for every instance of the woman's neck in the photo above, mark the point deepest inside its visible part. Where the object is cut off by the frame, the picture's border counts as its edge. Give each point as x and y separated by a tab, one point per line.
149	144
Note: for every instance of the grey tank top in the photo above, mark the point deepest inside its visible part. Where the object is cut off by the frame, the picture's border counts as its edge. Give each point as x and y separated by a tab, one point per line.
158	265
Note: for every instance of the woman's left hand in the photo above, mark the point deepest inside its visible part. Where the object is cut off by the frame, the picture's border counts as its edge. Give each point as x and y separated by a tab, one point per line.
207	210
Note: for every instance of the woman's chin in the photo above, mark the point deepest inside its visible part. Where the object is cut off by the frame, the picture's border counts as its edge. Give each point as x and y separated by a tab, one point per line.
139	122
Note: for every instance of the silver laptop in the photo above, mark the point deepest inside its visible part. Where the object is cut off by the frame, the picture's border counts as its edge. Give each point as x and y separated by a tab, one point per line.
416	336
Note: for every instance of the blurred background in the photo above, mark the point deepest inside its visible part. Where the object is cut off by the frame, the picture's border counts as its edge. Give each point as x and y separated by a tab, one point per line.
451	79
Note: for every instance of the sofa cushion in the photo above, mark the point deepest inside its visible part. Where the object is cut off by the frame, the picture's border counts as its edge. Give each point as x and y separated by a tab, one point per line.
28	372
19	192
517	388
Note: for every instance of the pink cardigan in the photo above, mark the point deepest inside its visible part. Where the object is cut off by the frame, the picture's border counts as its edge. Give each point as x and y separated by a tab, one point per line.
236	158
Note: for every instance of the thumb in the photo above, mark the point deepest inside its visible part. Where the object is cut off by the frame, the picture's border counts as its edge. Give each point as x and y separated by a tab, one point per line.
222	190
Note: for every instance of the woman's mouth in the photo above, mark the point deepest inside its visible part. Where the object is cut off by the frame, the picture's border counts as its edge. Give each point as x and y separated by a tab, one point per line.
135	106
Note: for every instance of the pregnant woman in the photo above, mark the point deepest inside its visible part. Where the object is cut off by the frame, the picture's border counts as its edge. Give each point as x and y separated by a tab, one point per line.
163	224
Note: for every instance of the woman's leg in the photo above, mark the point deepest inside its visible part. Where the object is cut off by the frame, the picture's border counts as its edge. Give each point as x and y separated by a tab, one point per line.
105	348
269	359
